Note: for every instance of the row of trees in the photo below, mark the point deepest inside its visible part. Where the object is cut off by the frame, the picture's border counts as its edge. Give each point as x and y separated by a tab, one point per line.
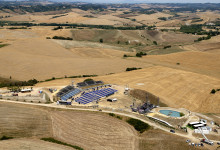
60	25
19	83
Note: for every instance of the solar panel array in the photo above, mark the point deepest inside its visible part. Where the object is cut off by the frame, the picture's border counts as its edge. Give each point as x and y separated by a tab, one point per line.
65	90
70	94
95	95
89	83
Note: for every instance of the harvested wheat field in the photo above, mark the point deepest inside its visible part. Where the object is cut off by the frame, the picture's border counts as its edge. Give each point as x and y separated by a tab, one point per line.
31	144
89	130
150	19
193	61
93	131
176	88
23	121
70	17
42	59
211	46
155	139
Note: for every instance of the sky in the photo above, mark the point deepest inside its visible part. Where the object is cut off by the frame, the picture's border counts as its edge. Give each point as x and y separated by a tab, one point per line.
148	1
136	1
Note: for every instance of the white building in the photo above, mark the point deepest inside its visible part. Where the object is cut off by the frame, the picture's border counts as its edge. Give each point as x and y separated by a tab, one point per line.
205	130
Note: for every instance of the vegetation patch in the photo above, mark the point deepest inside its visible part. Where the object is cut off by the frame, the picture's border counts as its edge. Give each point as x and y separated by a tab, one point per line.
116	116
182	114
189	127
203	38
162	18
133	68
3	45
140	126
168	46
191	29
59	16
10	83
62	38
57	28
155	42
62	143
5	138
89	16
140	54
213	91
14	28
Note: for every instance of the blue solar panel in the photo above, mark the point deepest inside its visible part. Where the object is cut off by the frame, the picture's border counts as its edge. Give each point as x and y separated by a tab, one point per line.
95	95
70	94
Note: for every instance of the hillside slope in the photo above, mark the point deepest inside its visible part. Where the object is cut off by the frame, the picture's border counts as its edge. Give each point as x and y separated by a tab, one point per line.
179	89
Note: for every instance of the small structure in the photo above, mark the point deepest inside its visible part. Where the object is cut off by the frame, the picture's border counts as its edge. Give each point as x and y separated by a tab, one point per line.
26	90
203	121
63	103
204	130
145	108
196	125
112	100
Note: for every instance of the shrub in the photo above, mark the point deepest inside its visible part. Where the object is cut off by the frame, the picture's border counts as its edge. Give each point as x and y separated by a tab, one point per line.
101	40
130	69
138	125
111	114
155	42
62	143
140	54
88	80
119	117
125	55
168	46
182	114
162	18
5	138
62	38
90	75
178	63
212	91
57	28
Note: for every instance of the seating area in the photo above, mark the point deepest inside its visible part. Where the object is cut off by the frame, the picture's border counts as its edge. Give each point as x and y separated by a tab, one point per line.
95	95
71	93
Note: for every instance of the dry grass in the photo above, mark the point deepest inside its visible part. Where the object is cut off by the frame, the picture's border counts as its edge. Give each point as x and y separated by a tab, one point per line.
21	121
176	88
31	144
156	139
89	130
96	131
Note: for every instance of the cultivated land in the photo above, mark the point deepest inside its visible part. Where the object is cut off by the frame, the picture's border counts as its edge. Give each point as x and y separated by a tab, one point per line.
178	68
84	129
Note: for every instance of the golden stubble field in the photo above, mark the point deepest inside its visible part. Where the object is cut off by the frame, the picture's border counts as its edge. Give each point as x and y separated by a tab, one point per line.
176	88
89	130
31	55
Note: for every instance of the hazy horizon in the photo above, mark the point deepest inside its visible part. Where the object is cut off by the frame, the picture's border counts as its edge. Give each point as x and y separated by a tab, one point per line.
131	1
143	1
